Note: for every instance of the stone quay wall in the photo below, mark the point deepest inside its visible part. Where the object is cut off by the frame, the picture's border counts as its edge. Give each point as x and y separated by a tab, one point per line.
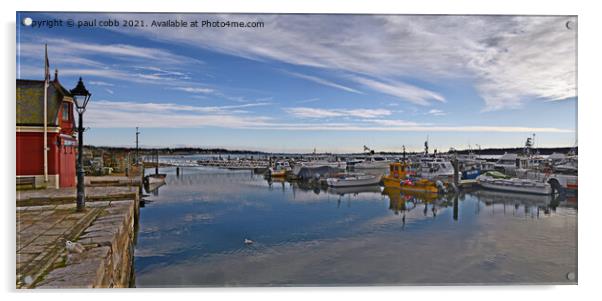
108	259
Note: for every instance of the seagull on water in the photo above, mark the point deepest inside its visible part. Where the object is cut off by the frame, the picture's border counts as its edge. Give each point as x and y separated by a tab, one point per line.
248	241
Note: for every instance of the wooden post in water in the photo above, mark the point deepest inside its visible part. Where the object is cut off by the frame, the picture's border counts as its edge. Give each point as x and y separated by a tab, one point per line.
141	171
456	207
456	170
178	171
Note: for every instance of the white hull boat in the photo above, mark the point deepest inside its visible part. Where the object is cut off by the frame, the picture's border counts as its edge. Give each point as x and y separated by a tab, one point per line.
352	180
317	165
514	185
372	165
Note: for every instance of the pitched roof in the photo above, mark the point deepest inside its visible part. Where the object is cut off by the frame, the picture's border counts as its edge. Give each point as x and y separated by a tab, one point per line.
30	102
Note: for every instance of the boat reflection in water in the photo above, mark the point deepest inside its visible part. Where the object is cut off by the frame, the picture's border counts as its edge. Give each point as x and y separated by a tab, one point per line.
355	190
531	203
193	232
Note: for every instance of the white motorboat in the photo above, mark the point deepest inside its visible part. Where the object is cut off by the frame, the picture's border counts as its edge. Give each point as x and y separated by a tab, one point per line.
351	180
434	168
373	162
567	166
498	181
340	165
311	169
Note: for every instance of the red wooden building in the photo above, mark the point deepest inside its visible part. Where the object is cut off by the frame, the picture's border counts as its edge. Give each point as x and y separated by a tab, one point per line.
59	170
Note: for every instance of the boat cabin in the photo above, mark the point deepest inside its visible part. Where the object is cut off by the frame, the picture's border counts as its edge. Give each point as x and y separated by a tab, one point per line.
398	170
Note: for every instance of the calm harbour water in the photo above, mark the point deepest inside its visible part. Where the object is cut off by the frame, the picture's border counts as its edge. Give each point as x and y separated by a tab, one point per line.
192	234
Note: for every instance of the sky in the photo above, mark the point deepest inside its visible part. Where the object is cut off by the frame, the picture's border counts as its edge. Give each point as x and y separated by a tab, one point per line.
333	83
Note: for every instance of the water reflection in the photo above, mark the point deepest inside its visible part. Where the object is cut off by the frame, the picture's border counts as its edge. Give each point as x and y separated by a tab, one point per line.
193	231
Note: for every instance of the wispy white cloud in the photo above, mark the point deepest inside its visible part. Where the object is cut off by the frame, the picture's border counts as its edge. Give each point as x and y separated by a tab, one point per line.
75	48
101	83
304	112
308	100
195	90
322	81
74	57
401	90
112	114
511	60
436	112
122	114
394	122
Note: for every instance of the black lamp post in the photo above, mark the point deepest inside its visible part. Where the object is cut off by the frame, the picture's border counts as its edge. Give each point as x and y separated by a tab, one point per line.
81	96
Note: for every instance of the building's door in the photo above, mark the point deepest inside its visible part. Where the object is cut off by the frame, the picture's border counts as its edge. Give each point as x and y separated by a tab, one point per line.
67	165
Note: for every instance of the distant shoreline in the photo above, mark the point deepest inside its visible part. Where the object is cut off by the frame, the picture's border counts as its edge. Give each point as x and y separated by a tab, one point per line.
208	151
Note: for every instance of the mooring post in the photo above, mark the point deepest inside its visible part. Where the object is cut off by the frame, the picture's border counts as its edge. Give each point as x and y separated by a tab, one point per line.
141	171
456	207
178	171
456	171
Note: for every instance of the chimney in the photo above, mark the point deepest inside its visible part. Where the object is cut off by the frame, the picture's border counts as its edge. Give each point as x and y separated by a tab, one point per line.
56	75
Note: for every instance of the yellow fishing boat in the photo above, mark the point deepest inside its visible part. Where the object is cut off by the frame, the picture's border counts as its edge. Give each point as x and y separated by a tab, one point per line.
398	172
420	185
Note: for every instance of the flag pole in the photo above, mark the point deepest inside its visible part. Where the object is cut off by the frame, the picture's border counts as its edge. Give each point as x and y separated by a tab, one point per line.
46	85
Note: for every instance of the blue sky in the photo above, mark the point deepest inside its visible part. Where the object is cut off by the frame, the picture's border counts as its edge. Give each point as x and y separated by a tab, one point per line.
334	83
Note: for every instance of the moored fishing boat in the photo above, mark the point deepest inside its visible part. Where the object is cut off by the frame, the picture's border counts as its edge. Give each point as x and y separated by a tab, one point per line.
498	181
422	185
313	169
280	169
397	173
350	180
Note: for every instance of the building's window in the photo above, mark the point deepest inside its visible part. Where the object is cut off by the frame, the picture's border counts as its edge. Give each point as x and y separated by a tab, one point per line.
65	111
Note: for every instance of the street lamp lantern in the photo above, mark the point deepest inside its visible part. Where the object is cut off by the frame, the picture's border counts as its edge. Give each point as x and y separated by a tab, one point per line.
81	96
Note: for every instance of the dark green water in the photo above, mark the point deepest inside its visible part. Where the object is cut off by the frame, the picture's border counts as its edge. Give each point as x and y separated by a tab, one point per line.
193	232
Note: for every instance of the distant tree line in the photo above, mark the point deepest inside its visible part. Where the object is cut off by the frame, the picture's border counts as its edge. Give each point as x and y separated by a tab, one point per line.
197	150
172	151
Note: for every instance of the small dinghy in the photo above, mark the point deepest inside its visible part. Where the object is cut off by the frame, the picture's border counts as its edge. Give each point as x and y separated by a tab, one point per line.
497	181
155	179
351	180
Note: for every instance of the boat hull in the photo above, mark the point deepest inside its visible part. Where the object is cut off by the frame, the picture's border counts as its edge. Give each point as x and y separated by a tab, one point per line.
278	174
540	190
336	182
421	189
391	182
515	185
422	185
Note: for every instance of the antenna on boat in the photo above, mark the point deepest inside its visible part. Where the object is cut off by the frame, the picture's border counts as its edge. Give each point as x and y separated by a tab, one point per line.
404	152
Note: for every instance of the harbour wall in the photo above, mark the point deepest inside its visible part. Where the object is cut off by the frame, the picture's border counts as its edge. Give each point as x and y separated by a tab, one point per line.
108	259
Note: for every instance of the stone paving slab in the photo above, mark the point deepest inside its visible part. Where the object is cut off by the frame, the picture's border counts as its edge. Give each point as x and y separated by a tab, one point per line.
107	241
40	245
46	218
49	199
